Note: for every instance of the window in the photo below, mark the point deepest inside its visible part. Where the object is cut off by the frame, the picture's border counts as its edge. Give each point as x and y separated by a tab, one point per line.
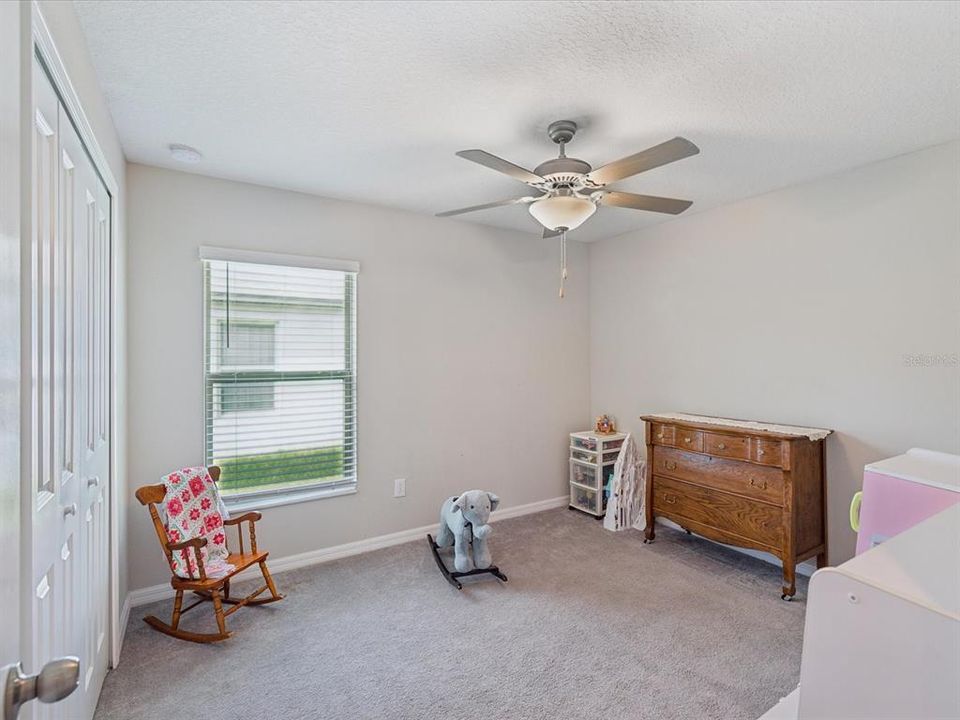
247	343
237	397
280	373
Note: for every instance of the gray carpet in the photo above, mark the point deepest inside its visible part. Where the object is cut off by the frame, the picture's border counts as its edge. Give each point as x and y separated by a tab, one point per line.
591	625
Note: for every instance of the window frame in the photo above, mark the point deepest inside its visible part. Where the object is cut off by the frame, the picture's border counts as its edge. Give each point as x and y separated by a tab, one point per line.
273	497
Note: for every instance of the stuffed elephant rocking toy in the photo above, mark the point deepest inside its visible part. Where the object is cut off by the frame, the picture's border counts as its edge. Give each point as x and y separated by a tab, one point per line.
464	523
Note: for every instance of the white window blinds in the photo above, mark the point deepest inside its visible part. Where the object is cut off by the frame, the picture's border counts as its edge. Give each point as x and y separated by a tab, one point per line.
279	372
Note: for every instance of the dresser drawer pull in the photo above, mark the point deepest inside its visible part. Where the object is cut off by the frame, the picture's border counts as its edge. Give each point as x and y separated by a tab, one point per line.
757	484
670	465
687	439
660	436
761	452
722	446
670	499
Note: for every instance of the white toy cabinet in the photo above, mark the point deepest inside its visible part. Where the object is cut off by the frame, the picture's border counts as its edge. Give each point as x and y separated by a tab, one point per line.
882	633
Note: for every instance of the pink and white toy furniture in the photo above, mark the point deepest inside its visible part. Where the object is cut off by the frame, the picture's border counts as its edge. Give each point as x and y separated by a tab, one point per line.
902	491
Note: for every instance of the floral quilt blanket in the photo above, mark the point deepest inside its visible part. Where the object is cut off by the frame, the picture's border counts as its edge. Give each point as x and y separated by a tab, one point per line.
193	509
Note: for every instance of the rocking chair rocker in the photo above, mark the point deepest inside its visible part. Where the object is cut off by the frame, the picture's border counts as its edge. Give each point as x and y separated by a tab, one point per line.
215	590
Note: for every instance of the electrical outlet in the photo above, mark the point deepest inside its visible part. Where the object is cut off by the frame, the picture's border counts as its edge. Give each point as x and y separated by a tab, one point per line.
400	487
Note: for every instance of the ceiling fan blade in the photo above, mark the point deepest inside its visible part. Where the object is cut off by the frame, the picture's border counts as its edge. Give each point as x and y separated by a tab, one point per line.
652	203
500	165
662	154
498	203
548	233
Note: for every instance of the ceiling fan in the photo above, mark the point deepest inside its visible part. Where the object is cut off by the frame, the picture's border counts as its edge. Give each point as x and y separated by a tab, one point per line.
571	190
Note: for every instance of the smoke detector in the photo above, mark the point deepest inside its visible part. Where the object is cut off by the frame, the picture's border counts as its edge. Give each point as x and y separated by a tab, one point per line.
185	154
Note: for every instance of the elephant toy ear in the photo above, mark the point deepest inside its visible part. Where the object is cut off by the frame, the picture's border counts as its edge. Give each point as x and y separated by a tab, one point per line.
494	501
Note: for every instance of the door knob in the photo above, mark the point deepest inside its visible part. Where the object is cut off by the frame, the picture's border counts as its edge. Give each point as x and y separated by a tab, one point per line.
70	509
58	679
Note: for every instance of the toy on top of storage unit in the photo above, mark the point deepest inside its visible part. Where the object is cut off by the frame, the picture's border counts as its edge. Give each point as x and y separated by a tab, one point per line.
605	425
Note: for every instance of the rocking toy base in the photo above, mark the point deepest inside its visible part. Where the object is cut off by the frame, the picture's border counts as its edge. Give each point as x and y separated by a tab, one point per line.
452	577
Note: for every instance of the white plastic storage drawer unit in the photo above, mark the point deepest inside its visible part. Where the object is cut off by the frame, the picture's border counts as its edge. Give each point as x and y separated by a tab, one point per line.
592	456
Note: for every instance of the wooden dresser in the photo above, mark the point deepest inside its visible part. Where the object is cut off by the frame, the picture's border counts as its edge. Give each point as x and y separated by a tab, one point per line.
754	485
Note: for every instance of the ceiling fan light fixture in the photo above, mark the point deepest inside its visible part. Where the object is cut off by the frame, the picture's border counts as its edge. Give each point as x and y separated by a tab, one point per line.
562	211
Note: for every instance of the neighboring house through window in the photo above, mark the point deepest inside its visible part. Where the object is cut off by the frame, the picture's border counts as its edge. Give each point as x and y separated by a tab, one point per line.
280	373
246	345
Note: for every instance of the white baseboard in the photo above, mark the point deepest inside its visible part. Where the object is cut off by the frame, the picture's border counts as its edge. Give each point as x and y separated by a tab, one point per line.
806	568
153	593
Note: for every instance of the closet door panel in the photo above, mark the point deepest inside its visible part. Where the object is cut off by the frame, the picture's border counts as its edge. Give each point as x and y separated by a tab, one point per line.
91	247
52	598
95	489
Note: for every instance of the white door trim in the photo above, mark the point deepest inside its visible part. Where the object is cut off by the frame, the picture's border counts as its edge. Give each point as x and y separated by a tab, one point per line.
45	47
11	138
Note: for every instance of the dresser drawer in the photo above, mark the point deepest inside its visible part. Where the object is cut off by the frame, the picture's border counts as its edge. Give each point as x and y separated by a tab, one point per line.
731	446
726	512
755	481
689	439
765	451
663	434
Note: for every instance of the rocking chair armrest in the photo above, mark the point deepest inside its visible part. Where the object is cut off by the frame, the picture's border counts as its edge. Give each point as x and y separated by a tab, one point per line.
196	544
252	516
192	542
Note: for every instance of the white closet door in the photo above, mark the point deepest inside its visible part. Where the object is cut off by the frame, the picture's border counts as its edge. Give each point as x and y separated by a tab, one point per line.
70	402
86	221
94	290
52	591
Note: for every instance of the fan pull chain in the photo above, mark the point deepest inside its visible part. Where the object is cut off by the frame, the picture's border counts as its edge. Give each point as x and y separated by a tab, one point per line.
563	260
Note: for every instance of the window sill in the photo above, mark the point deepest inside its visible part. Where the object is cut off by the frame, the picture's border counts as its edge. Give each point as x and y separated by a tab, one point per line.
262	502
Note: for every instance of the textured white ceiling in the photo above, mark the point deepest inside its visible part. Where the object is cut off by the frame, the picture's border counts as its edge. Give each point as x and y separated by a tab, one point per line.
369	101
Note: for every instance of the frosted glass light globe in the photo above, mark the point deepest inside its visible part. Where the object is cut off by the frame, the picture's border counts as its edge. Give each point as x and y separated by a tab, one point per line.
562	211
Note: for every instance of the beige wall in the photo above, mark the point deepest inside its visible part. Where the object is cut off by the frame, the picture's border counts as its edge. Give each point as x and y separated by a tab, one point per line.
470	370
72	46
798	306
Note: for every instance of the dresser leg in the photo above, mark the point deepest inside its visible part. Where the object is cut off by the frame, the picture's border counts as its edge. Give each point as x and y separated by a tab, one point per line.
789	579
648	533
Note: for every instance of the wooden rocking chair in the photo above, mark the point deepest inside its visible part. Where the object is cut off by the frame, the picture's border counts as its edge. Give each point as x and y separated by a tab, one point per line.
215	590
